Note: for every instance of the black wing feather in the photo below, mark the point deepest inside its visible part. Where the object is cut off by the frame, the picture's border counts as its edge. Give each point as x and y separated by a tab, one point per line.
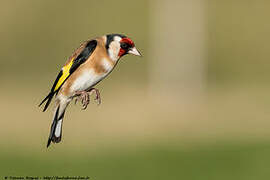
84	55
80	59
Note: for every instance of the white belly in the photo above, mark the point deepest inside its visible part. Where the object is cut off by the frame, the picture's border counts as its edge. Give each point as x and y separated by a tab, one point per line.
87	80
89	77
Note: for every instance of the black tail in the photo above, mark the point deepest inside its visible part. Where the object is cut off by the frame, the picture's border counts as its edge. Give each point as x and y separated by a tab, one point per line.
49	98
56	128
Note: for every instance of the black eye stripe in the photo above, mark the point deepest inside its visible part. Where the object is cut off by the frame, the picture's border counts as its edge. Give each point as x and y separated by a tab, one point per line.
125	45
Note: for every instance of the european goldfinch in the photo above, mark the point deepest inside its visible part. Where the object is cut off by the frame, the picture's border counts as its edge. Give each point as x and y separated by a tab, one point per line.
86	67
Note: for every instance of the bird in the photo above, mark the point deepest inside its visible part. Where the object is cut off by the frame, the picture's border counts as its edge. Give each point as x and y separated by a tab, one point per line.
90	63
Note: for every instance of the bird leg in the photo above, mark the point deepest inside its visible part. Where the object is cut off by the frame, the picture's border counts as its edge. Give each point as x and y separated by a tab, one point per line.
97	98
85	97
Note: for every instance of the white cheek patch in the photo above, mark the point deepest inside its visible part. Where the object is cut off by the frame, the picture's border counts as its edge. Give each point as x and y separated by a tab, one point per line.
114	49
117	38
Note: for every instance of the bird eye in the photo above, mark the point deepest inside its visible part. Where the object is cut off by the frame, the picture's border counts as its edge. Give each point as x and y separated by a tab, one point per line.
124	46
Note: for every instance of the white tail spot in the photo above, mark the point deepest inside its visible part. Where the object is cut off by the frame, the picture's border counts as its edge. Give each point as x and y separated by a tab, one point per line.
58	128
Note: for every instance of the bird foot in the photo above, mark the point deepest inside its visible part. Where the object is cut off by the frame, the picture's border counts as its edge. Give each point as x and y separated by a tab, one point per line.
85	97
97	98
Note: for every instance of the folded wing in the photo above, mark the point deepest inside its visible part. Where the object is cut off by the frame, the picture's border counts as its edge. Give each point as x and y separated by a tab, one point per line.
78	57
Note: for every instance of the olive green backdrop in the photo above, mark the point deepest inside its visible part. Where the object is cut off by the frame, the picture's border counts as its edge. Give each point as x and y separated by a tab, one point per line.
220	132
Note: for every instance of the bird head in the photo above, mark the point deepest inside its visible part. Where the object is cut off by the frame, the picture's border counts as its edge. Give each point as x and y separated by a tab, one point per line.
118	45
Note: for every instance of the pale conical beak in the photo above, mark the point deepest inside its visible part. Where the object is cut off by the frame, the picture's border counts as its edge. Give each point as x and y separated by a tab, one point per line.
134	51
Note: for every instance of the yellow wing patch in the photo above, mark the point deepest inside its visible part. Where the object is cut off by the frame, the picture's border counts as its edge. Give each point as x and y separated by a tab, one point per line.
65	71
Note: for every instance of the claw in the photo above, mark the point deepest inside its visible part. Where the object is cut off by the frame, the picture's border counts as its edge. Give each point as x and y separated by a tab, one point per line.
97	98
85	97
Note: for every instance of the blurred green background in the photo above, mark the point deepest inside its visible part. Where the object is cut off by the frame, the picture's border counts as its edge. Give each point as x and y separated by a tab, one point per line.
196	106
